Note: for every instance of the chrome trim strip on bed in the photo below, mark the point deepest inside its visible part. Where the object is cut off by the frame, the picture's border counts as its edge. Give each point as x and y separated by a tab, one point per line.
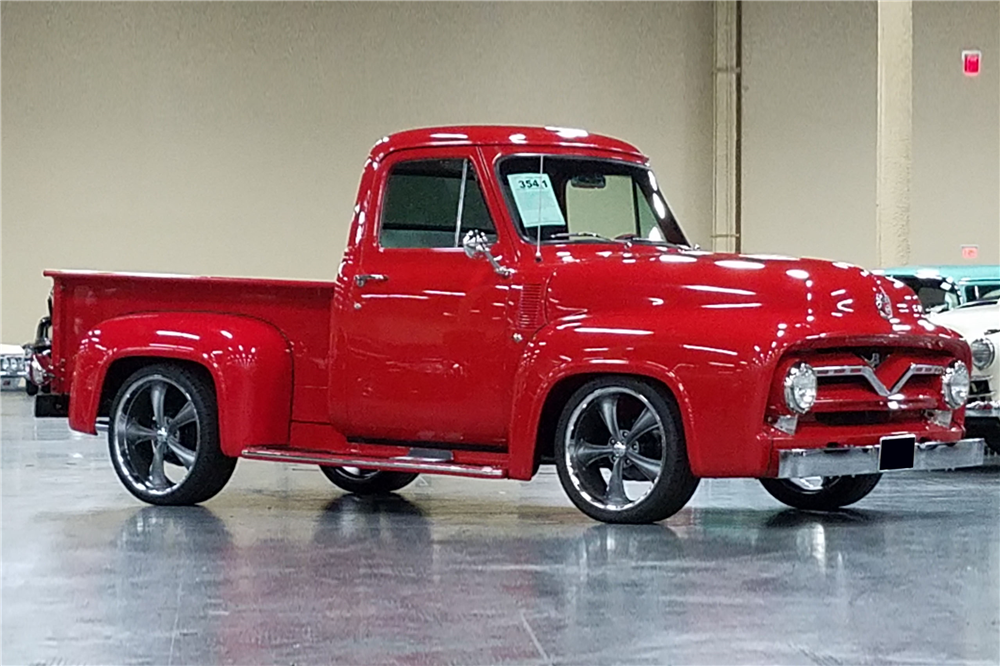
852	460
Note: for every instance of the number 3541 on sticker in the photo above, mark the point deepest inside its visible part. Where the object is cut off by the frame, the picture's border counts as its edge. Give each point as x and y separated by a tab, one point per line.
535	200
532	182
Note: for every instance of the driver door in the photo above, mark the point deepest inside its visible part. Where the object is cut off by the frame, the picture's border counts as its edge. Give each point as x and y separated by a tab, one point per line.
428	351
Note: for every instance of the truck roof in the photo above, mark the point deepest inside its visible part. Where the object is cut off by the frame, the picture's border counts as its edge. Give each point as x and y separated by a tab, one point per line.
506	135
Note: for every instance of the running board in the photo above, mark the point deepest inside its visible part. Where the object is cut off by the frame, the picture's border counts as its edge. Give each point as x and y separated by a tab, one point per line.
437	464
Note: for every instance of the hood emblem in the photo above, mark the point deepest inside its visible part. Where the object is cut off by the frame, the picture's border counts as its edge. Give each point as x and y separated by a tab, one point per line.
883	304
872	359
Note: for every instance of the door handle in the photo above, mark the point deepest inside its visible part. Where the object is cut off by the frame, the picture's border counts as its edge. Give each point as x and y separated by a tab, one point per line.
364	278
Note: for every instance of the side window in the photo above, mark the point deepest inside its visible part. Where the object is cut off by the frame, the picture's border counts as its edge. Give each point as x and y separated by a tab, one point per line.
432	203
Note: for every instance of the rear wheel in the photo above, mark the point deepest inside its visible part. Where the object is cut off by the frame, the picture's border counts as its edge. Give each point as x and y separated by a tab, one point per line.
164	436
821	493
620	452
367	481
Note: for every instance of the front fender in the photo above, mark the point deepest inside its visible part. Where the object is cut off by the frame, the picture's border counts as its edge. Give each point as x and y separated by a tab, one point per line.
250	362
709	382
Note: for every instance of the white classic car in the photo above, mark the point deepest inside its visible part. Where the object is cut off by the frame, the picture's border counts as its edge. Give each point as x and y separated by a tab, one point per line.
13	366
979	324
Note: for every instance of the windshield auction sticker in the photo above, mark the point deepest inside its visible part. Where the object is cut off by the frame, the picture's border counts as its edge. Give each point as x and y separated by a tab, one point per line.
535	200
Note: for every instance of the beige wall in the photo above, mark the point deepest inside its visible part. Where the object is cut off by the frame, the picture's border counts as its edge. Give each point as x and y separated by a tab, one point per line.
809	123
809	128
956	133
228	138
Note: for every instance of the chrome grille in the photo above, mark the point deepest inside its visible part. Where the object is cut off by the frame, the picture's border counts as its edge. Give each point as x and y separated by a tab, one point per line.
868	373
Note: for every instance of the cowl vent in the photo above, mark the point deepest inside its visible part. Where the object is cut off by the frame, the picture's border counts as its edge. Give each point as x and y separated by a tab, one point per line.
529	307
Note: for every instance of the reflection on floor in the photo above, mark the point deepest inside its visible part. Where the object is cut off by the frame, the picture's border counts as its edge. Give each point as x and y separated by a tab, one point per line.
283	568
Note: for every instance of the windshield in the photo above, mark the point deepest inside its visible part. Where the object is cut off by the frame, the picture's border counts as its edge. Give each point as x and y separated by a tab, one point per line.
991	295
935	294
583	199
981	292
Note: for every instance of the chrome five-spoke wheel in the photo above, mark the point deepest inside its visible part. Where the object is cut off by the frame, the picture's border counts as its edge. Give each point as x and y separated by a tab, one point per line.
163	436
614	435
156	434
620	453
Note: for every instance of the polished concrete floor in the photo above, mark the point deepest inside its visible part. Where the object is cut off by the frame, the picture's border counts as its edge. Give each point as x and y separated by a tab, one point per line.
282	568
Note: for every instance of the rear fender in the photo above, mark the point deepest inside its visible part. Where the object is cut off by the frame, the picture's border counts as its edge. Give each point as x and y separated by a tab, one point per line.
249	360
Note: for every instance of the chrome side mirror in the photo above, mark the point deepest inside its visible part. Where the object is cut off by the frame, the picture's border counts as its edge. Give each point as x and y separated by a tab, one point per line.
475	243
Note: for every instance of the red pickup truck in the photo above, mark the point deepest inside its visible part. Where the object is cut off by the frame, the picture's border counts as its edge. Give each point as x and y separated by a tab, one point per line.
514	296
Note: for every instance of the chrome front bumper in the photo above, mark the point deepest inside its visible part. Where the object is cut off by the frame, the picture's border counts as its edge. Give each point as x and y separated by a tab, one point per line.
850	461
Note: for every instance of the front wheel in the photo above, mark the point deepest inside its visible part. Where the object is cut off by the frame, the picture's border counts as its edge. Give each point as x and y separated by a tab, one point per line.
620	452
821	493
367	481
164	436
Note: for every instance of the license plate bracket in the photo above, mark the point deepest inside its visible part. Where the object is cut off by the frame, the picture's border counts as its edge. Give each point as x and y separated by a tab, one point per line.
896	452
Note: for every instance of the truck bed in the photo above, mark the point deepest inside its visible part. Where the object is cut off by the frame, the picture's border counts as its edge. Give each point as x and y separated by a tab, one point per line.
301	310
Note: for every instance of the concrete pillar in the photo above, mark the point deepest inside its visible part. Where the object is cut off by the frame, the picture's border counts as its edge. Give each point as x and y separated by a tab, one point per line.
725	163
895	131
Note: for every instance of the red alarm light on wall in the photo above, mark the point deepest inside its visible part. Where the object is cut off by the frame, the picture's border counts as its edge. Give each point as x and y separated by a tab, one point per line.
970	62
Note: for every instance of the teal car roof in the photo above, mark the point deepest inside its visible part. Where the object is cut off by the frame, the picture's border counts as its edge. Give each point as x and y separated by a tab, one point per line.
959	274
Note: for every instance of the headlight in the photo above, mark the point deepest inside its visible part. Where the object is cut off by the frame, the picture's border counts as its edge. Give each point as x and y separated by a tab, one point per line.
955	385
800	387
983	353
5	363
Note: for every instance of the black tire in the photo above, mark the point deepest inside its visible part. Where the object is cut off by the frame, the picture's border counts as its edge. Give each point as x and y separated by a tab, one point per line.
168	411
653	453
825	494
30	387
367	481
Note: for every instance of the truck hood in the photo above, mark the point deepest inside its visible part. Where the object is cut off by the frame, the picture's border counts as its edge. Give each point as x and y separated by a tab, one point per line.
733	293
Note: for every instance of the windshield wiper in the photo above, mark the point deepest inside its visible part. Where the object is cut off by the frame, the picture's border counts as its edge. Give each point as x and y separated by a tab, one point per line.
584	234
627	239
636	238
